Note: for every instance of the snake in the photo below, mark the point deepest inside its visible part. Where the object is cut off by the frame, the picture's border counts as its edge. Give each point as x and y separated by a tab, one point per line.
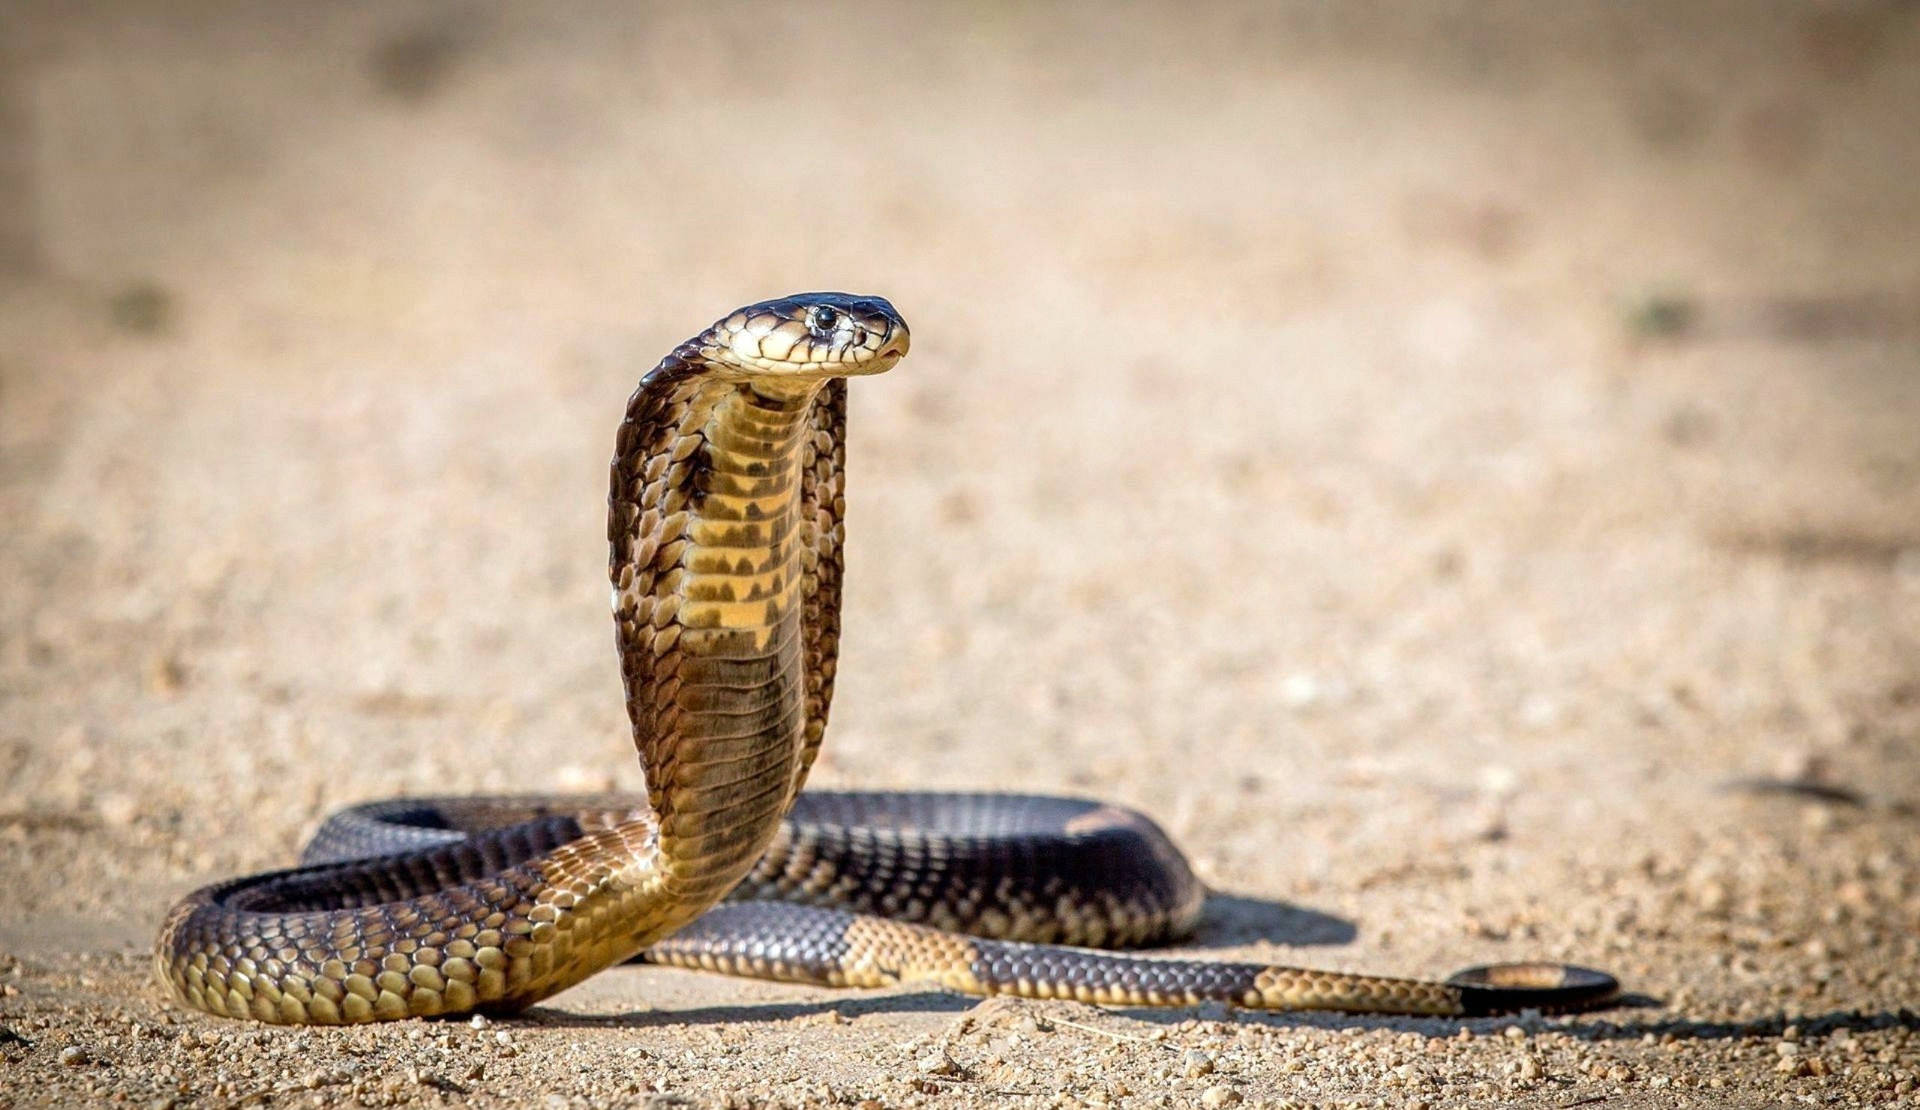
725	528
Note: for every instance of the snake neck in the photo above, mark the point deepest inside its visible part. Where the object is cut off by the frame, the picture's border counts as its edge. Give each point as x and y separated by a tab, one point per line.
705	529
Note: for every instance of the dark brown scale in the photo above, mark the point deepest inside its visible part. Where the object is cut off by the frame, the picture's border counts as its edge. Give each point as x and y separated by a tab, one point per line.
1000	966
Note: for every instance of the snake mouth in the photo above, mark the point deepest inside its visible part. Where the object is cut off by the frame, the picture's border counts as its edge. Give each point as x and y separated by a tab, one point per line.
898	341
891	350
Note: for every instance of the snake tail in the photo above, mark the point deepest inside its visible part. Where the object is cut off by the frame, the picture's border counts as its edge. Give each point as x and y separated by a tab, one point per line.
832	948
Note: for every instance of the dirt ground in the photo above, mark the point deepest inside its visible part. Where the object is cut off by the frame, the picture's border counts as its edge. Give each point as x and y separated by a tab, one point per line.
1456	466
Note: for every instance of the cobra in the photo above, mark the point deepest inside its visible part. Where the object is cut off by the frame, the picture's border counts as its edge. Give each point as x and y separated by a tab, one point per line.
725	526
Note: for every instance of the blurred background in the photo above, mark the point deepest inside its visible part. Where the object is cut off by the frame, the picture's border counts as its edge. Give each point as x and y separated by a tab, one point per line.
1419	451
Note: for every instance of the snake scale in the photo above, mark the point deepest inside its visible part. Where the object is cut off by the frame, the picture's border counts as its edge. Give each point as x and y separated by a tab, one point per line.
725	527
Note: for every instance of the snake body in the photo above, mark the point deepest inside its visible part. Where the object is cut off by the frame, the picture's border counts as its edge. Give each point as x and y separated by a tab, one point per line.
725	532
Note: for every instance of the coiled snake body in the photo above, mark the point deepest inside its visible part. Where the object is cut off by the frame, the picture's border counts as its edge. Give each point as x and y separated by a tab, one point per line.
725	529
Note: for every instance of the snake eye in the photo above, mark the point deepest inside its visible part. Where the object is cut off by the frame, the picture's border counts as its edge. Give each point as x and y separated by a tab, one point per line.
821	321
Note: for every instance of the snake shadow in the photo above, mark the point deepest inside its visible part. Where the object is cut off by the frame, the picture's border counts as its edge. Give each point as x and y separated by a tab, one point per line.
1235	919
849	1006
840	1004
1586	1027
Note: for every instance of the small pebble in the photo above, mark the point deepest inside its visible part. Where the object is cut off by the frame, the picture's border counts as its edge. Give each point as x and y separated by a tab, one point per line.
1300	690
938	1062
1219	1095
1197	1063
165	675
73	1056
118	810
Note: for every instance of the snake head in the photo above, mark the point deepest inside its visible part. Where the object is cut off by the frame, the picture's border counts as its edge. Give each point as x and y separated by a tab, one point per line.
809	336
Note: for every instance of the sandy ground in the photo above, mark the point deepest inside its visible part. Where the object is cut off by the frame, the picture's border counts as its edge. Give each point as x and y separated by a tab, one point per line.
1422	454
